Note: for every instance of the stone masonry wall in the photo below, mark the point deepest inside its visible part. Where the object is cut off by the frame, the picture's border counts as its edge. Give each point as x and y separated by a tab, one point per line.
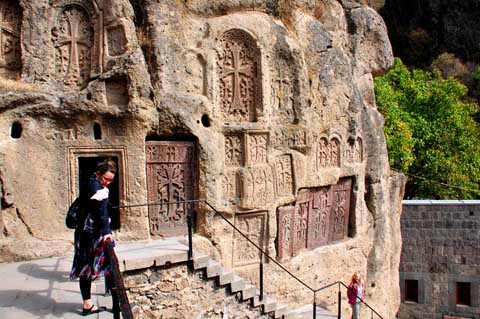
441	246
175	292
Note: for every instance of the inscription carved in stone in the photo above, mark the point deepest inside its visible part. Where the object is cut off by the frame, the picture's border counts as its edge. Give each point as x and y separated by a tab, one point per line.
10	24
320	216
239	82
170	178
73	39
328	153
252	225
295	138
284	175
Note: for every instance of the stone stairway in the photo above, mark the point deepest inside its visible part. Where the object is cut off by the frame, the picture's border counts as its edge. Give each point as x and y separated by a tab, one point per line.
172	251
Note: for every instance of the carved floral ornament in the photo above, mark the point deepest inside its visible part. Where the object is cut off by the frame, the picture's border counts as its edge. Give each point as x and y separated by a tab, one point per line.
239	76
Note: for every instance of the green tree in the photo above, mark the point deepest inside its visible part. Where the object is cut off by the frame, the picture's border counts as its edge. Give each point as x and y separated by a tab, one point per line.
430	132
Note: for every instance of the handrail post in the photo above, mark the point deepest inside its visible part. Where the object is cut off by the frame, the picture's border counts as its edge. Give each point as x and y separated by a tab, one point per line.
339	302
261	279
190	240
314	305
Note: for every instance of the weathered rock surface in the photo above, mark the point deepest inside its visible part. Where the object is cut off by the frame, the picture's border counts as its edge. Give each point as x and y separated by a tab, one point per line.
265	109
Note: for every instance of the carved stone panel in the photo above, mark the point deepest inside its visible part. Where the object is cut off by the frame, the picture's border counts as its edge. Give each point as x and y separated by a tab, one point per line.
240	84
257	186
354	150
116	91
340	213
284	175
253	226
234	150
10	24
73	40
328	153
257	148
116	40
231	185
285	231
295	138
300	221
170	179
319	218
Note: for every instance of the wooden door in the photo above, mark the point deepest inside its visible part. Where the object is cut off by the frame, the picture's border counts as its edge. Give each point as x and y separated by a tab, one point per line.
170	182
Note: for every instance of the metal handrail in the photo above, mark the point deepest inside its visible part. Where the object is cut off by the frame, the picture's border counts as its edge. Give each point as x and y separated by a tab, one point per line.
190	253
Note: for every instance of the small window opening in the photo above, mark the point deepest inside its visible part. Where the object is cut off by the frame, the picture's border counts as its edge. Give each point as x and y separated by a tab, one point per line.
463	293
205	120
16	130
411	290
97	131
472	213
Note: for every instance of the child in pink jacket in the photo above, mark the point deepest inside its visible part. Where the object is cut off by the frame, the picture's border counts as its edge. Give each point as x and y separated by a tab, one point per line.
355	289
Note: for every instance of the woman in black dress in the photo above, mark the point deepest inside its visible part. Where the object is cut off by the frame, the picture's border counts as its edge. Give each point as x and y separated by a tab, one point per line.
90	261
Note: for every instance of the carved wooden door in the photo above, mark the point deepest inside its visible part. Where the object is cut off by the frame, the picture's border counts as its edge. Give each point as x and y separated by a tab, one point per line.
170	182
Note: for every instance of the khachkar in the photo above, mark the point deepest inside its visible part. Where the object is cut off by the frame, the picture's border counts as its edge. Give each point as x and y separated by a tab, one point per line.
267	111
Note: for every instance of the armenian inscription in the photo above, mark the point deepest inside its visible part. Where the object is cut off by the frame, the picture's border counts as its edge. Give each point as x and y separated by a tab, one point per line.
170	176
10	23
239	83
73	39
320	217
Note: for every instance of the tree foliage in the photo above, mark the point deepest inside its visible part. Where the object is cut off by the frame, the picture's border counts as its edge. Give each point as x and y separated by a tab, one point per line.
430	132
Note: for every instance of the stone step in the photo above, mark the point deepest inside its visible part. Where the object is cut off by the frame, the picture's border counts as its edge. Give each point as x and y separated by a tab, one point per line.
281	311
237	284
248	292
225	276
213	268
269	305
200	261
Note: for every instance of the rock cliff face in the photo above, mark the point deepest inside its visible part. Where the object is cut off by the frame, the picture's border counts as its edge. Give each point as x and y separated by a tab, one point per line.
265	109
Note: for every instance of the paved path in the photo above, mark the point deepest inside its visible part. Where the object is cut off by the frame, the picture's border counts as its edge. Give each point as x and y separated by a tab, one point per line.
41	288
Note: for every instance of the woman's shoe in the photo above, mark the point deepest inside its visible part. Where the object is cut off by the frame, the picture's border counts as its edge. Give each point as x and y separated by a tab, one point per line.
90	310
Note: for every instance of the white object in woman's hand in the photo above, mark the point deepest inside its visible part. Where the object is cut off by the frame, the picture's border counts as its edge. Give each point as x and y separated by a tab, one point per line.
101	194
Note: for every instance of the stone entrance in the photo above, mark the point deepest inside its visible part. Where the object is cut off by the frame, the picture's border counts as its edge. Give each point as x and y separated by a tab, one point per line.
170	179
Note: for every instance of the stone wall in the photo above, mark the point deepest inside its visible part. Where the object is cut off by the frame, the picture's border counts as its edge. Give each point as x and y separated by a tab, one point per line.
175	292
265	109
441	245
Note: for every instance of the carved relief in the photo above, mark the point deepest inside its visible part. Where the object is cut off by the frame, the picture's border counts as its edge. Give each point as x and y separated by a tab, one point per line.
284	175
354	151
295	138
300	221
257	148
73	40
234	150
328	153
340	209
257	186
321	216
63	135
239	76
253	226
116	40
230	185
282	97
285	230
10	25
170	178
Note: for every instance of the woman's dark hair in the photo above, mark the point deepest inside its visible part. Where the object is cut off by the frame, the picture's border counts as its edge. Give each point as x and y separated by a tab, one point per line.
107	166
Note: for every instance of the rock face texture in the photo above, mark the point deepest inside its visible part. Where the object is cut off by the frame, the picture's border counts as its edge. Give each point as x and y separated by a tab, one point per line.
265	109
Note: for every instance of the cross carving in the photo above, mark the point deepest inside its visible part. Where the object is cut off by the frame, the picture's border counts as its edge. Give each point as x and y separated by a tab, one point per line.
8	26
237	70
